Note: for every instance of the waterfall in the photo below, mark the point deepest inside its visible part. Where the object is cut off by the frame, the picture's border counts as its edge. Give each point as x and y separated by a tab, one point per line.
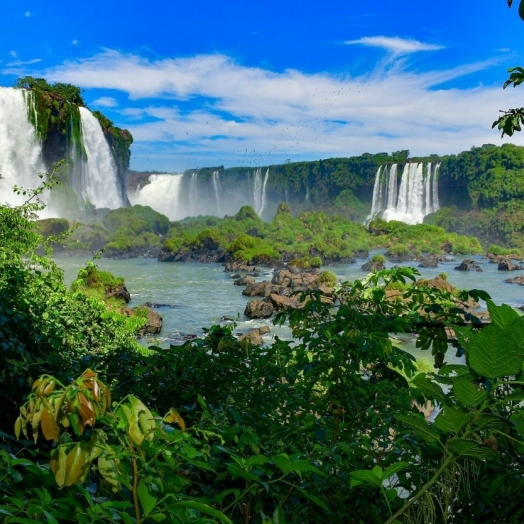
163	194
20	149
259	191
416	197
218	189
192	196
99	173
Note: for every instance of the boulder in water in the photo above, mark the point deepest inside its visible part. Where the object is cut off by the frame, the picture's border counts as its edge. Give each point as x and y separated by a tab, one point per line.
244	281
468	265
259	309
373	265
255	335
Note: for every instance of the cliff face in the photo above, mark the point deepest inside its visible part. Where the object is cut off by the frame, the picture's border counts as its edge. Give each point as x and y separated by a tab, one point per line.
54	111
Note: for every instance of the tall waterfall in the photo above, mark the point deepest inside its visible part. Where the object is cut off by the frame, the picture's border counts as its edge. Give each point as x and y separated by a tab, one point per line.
94	177
99	176
193	190
218	189
413	199
163	194
259	191
20	149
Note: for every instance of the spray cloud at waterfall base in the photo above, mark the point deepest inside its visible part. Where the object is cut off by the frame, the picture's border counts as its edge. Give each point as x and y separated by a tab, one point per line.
192	194
409	201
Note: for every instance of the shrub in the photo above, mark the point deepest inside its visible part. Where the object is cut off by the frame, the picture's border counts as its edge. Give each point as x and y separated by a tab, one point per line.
315	262
329	278
381	259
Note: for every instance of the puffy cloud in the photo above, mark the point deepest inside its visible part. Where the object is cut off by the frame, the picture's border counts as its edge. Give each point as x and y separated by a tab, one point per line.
210	108
105	101
395	45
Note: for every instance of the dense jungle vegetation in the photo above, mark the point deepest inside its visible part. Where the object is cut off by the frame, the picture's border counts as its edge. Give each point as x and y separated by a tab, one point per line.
245	237
330	428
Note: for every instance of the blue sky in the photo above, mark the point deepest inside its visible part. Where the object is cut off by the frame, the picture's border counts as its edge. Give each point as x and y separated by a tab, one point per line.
242	83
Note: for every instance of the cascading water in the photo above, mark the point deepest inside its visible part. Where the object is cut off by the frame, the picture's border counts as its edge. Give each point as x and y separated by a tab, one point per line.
99	175
193	190
259	191
20	149
163	195
416	197
218	190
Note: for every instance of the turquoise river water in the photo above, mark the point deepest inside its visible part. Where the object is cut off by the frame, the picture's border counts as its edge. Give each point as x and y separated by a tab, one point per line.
195	296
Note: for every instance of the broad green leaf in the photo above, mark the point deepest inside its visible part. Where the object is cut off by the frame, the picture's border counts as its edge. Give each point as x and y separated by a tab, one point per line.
282	462
237	471
147	500
451	420
460	446
366	476
515	396
126	518
394	469
492	353
278	516
304	465
420	426
470	448
203	508
109	469
518	421
256	460
455	369
431	390
502	315
468	393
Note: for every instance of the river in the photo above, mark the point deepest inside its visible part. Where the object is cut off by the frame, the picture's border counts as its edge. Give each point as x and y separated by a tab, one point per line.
194	296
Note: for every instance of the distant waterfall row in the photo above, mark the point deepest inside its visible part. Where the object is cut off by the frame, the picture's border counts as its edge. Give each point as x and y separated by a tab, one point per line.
93	176
181	196
410	200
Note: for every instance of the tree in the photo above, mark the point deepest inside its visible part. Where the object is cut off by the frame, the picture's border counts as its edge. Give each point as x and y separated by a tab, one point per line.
511	120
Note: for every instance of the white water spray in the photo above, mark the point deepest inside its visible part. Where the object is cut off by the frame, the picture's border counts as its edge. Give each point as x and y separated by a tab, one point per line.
20	149
259	191
218	190
99	173
163	195
417	195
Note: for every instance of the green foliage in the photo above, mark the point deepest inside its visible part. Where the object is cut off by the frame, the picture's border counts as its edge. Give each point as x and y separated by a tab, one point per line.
379	258
325	428
43	327
138	219
315	262
501	251
328	277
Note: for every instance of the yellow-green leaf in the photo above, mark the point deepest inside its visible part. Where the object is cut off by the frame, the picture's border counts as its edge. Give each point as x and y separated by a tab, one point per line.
49	426
174	416
76	465
58	464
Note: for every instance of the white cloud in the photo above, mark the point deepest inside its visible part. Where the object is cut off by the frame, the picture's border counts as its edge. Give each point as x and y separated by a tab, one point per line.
211	109
28	14
75	42
105	101
18	63
395	45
